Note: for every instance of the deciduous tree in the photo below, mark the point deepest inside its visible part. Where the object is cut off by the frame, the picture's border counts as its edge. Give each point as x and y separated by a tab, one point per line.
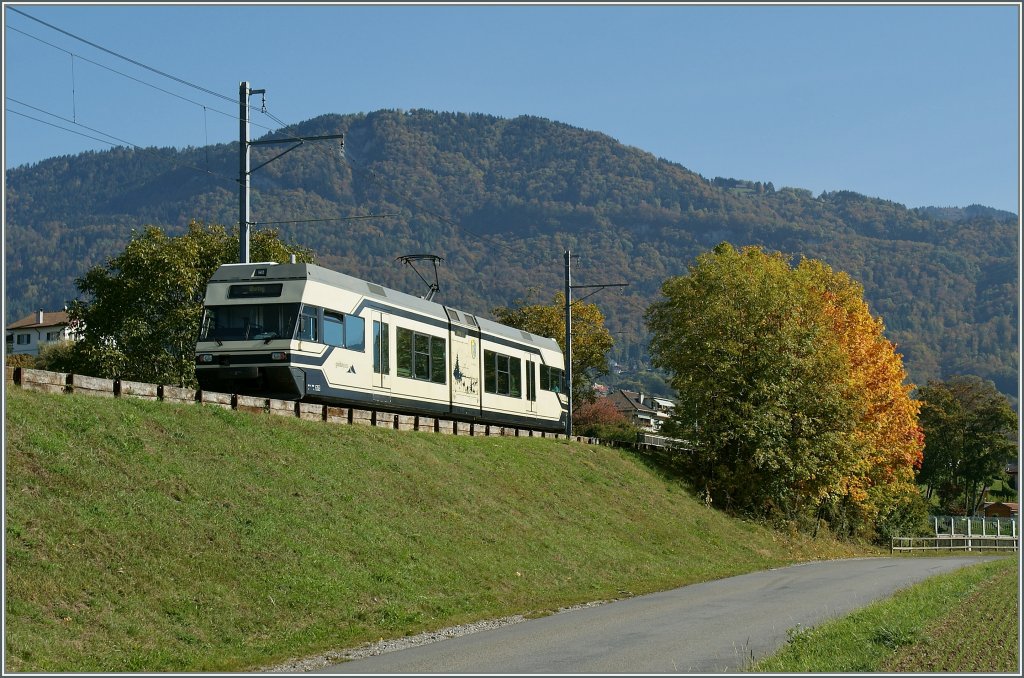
140	317
969	432
791	399
761	382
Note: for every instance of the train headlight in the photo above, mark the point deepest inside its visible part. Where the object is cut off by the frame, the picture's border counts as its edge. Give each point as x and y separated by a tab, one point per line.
279	356
204	358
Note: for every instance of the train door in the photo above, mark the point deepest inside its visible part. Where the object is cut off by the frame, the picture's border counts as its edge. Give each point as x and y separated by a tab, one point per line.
382	354
531	384
464	363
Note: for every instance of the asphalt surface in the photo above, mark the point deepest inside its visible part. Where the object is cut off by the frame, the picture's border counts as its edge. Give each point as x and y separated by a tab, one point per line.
714	627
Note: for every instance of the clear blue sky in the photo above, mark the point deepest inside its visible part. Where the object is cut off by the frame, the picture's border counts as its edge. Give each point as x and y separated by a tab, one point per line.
915	104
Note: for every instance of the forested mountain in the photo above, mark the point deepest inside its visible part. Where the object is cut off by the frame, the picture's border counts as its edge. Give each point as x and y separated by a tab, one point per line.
501	200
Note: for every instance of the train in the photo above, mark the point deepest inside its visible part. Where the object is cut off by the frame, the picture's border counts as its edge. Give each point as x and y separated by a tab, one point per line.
300	331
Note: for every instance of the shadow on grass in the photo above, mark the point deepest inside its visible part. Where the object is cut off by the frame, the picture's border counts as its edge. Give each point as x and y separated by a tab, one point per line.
662	462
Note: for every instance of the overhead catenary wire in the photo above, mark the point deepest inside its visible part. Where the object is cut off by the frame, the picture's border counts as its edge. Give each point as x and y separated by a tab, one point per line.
262	109
291	128
121	56
233	116
408	199
311	221
72	121
66	129
300	139
74	103
107	141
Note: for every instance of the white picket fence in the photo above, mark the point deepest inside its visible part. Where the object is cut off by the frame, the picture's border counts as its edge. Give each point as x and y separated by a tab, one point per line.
960	533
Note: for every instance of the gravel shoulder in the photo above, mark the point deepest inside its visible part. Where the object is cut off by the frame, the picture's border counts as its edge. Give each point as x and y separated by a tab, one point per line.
380	647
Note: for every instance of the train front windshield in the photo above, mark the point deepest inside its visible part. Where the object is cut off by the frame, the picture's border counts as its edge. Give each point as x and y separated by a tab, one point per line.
249	321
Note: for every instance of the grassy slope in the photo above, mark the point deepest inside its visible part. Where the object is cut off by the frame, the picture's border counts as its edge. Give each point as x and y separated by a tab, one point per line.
153	537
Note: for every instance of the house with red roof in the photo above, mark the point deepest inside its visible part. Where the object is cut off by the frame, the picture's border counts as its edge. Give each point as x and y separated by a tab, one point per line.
37	329
644	411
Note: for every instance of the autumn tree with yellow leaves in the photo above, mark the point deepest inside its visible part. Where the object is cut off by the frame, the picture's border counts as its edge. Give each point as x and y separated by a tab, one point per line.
792	403
879	494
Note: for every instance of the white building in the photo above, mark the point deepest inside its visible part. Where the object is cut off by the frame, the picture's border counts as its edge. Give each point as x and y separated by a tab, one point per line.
39	328
646	412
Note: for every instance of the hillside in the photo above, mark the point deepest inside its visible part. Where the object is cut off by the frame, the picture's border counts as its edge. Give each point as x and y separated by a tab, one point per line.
146	536
502	199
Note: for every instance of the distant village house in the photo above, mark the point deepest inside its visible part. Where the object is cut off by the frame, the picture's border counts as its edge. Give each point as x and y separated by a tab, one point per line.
999	509
35	330
646	412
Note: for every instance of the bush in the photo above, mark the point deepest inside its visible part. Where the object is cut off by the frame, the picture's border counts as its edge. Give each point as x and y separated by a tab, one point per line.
623	433
906	515
600	419
56	357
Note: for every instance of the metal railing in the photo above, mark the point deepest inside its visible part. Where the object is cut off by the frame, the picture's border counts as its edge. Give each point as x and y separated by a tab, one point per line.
955	543
963	533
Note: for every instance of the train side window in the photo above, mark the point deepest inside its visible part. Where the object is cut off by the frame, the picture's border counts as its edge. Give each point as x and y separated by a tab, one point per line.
490	373
502	374
404	352
381	357
355	333
438	367
334	329
515	377
307	324
551	378
421	356
344	330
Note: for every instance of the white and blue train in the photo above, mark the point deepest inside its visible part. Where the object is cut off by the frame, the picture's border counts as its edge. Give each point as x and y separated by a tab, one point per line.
304	332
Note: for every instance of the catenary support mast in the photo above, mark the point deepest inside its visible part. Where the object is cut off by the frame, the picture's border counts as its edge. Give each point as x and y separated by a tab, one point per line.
244	170
568	341
569	287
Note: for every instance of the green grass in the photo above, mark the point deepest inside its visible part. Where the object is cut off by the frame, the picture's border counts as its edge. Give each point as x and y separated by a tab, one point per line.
982	635
145	536
963	621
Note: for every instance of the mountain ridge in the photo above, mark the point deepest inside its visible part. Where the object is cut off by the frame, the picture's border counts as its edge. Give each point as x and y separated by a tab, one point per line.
501	199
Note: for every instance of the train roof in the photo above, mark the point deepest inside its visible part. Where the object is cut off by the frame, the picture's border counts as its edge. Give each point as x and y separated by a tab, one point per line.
259	271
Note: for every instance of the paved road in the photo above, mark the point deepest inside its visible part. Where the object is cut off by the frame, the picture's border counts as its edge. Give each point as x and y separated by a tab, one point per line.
704	628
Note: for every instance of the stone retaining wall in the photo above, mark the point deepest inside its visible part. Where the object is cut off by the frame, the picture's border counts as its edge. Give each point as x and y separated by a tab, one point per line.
60	382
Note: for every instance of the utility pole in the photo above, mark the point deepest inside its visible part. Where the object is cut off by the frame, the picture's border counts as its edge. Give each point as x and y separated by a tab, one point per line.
568	341
244	171
569	287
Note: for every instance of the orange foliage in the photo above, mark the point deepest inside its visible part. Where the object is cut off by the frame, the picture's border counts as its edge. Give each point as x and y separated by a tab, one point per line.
887	431
600	412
